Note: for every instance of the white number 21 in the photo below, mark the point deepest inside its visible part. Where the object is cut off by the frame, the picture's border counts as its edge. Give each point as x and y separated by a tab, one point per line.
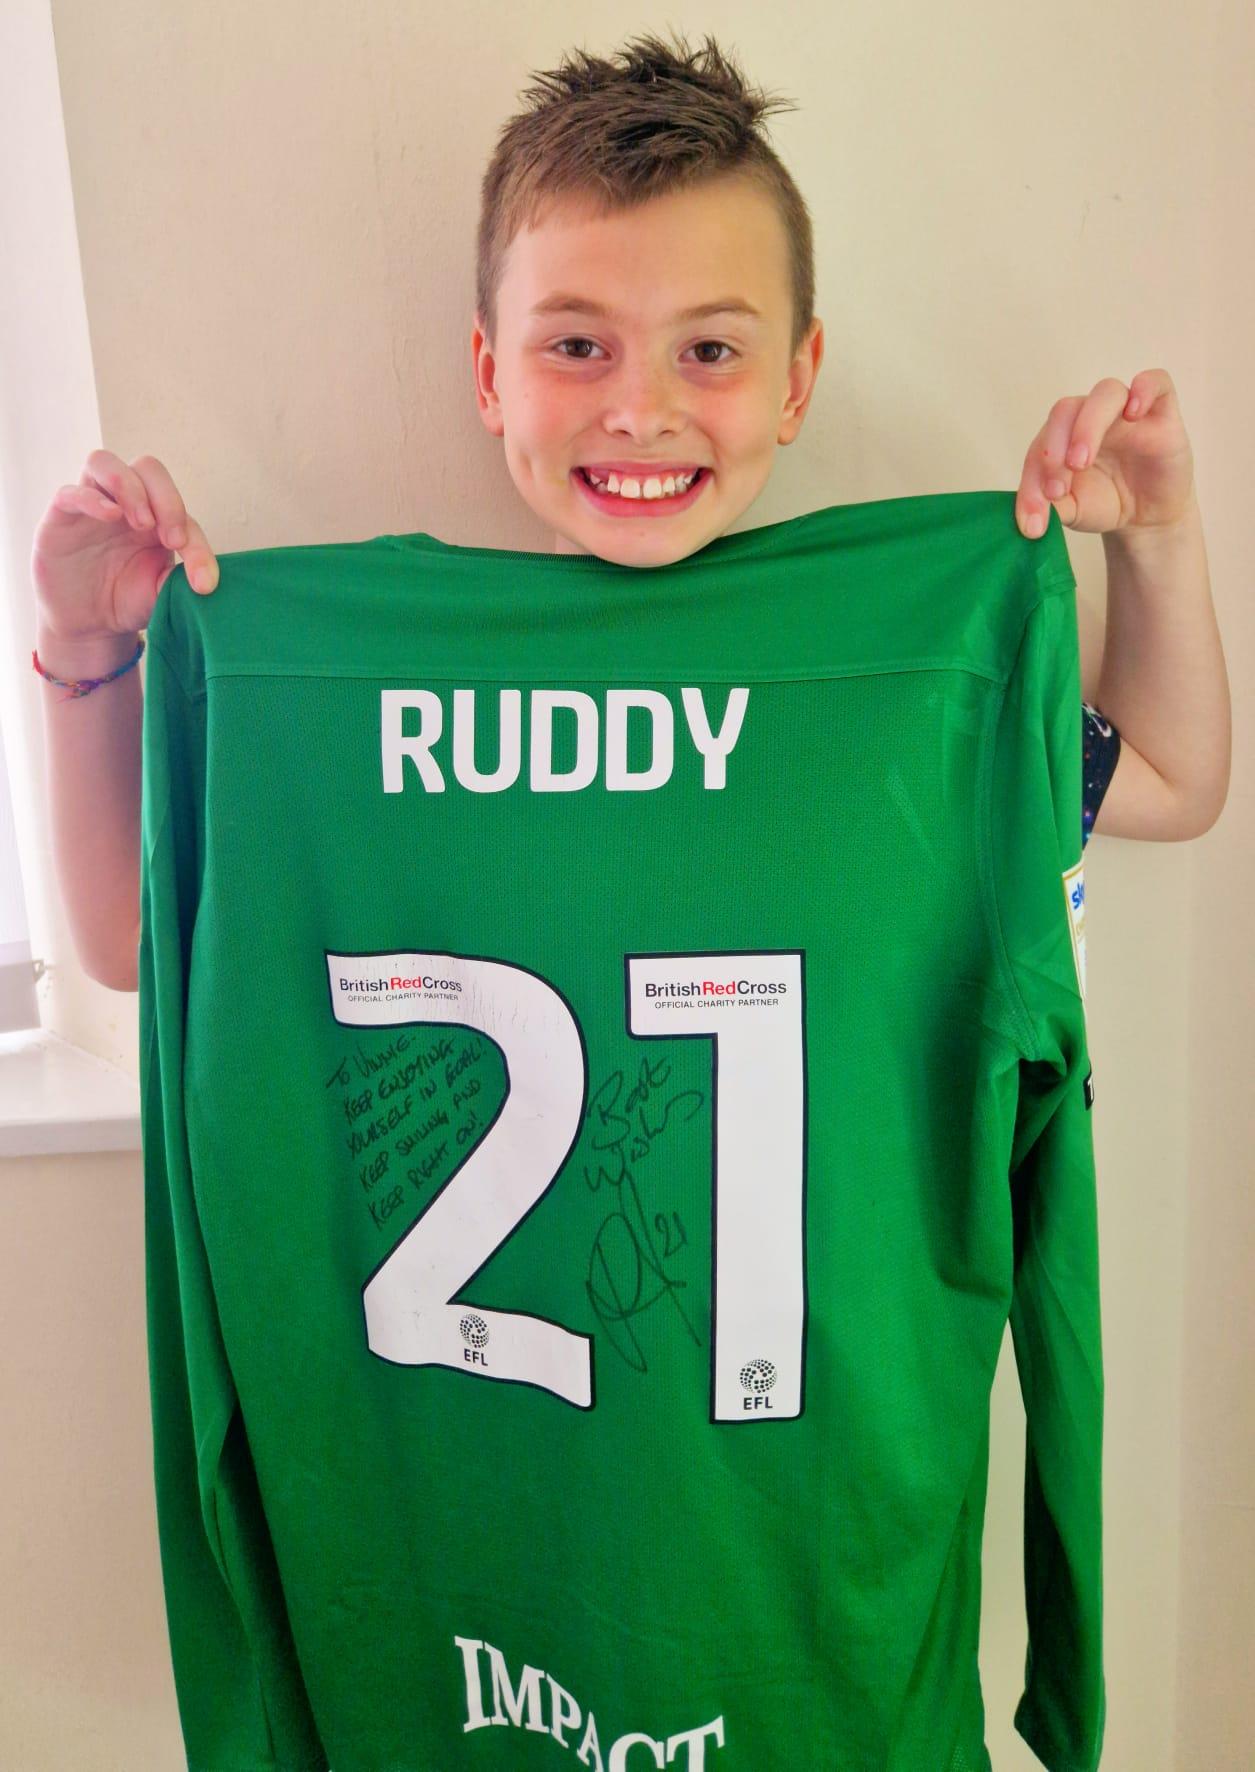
749	1007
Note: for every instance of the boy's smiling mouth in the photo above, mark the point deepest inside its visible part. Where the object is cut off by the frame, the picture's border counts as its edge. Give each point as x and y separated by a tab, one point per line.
643	492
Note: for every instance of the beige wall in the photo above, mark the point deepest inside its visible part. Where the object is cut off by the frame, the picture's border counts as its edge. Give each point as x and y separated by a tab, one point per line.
275	209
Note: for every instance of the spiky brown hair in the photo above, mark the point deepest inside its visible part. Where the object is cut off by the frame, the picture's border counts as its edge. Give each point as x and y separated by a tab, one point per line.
656	117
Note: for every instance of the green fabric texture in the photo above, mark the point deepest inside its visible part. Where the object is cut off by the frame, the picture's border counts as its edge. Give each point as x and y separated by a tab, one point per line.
613	1064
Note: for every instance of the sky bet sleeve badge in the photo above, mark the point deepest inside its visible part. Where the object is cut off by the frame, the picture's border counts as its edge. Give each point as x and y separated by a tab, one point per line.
1074	892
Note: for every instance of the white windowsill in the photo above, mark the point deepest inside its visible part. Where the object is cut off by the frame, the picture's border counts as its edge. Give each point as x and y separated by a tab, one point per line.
55	1097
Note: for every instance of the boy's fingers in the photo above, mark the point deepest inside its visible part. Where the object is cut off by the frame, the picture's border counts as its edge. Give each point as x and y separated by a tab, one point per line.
87	501
109	474
1042	465
1103	406
165	500
199	560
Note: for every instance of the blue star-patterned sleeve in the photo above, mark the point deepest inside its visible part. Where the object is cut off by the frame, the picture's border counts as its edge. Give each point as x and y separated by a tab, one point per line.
1101	751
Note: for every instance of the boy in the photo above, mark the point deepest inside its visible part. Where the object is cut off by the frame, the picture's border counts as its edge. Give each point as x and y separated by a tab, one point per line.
602	447
645	393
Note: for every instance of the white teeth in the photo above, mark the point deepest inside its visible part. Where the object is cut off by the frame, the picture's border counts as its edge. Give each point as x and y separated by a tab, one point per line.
653	487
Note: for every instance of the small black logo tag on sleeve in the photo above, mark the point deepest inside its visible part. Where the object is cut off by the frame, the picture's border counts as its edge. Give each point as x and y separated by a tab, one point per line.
1089	1087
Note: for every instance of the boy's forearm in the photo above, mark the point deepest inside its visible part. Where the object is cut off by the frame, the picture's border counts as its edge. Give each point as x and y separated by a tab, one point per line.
1163	682
93	746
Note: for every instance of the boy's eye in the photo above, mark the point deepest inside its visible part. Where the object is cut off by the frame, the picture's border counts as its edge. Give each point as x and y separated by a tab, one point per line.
707	362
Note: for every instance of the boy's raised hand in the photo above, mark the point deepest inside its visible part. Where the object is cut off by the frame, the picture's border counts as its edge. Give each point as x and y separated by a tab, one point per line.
1115	458
104	548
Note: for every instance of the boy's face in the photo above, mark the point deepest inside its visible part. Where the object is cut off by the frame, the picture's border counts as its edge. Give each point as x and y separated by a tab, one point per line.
639	385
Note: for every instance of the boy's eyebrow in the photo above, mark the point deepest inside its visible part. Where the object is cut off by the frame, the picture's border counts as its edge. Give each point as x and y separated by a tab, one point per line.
562	303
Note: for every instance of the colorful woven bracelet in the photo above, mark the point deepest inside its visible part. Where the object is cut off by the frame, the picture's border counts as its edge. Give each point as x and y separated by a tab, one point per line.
84	685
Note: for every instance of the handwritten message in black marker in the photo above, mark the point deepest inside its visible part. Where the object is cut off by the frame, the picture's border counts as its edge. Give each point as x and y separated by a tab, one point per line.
410	1109
628	1270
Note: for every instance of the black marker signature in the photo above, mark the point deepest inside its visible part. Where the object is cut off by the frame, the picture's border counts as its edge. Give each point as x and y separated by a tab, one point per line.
390	1130
625	1266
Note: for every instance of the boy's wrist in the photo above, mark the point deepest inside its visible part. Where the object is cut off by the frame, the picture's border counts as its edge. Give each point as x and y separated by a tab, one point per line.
1153	543
74	657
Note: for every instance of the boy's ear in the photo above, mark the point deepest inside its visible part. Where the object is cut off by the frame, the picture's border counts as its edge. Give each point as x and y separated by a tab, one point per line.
484	370
803	373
